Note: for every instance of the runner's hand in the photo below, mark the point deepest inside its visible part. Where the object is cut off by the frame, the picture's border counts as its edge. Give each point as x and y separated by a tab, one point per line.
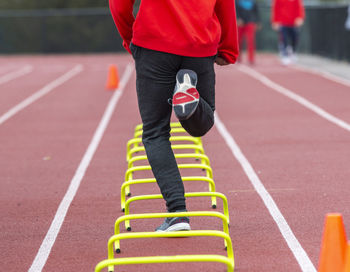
298	22
221	61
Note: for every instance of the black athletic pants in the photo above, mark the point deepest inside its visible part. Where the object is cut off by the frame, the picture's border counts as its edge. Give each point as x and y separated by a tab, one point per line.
289	35
155	83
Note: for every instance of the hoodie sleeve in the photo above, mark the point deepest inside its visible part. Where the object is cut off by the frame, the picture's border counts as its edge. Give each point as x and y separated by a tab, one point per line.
228	46
122	13
301	9
274	9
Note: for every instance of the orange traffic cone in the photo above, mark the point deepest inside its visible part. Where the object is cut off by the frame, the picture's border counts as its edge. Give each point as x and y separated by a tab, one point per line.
113	78
332	256
347	259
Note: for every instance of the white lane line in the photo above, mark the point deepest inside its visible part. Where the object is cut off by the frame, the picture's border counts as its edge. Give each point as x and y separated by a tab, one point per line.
50	238
45	90
15	74
324	74
293	243
301	100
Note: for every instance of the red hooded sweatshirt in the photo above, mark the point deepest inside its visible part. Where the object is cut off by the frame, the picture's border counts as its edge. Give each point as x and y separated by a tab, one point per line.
194	28
285	12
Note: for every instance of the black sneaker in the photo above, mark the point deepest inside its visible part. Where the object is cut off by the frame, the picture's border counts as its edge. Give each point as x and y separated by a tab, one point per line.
175	224
186	97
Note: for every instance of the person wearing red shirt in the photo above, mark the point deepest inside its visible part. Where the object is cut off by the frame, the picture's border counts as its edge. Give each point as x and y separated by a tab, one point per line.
287	17
175	45
248	21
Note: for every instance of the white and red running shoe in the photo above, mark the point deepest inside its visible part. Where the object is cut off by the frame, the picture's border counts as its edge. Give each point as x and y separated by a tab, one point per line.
186	97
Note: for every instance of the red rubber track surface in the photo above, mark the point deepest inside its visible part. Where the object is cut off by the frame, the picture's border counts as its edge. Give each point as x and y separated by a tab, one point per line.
301	158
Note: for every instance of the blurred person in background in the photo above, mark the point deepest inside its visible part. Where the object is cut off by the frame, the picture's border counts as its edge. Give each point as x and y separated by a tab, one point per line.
347	22
287	16
248	22
175	45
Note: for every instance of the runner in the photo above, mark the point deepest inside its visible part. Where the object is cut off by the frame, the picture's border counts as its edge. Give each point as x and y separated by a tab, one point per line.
174	45
287	17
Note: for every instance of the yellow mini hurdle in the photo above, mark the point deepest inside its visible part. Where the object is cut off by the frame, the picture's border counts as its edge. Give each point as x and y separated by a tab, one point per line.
225	223
136	141
123	191
166	259
174	130
115	239
197	149
159	196
129	172
204	158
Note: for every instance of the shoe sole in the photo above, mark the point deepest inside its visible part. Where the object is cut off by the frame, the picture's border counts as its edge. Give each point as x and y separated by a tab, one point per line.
185	102
184	111
180	76
177	227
